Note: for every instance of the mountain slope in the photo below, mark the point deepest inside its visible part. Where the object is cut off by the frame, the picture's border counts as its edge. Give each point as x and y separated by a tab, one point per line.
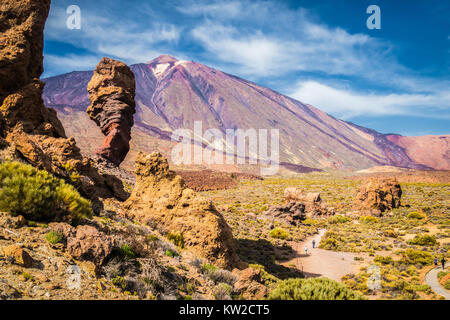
172	94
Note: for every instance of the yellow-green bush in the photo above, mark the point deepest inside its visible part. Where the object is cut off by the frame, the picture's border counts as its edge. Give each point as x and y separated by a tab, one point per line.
313	289
54	237
411	256
415	215
369	219
279	233
424	240
38	195
177	239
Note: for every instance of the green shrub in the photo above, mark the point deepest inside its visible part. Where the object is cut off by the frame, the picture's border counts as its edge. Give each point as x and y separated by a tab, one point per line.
339	219
411	256
447	285
176	238
415	215
279	233
119	282
127	252
390	233
424	240
384	260
369	219
313	289
171	253
209	268
54	237
38	195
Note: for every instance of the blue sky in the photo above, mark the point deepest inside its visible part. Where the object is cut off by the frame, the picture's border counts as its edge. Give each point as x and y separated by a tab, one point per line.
396	79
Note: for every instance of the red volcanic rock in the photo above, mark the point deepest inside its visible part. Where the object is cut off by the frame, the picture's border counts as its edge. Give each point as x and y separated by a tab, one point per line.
431	151
111	92
379	195
90	244
21	42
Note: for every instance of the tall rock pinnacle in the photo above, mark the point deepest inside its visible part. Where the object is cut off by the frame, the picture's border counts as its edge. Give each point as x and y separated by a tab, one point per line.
111	92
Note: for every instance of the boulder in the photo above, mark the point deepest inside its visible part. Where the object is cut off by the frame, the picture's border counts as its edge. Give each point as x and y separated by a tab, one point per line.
19	255
250	284
313	202
378	195
89	244
292	213
161	200
111	92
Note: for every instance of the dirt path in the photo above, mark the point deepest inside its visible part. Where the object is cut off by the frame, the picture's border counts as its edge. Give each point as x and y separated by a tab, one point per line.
432	280
320	262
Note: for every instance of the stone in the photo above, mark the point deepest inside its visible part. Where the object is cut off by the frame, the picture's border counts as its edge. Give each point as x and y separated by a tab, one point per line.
8	292
90	244
293	213
20	256
376	196
161	200
314	206
111	92
250	284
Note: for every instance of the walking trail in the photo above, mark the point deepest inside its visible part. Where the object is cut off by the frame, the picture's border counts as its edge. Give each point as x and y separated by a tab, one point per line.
432	280
320	262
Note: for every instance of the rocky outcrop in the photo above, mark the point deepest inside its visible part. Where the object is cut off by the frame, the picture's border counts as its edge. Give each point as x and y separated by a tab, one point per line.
111	92
21	42
28	129
161	200
378	195
85	242
17	254
298	207
249	285
292	213
312	201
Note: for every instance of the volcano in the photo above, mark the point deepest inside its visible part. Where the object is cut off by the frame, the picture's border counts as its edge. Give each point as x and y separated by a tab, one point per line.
172	94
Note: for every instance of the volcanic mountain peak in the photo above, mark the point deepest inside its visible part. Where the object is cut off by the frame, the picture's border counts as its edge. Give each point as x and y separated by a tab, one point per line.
162	64
173	94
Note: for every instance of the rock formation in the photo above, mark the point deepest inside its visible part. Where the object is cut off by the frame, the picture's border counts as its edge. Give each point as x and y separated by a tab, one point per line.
28	129
298	207
161	200
250	284
313	202
111	92
292	213
85	242
378	195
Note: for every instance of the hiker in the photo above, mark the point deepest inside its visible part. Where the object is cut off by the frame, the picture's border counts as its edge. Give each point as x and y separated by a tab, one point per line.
435	262
306	250
314	244
443	263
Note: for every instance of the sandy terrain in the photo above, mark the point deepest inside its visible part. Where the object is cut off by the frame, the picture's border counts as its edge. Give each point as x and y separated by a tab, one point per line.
320	262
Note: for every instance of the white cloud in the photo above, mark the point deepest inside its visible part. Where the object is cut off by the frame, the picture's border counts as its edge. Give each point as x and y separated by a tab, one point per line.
347	104
128	40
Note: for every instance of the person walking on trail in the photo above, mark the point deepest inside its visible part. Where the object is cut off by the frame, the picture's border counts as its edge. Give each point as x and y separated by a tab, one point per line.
443	263
435	262
314	243
306	250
